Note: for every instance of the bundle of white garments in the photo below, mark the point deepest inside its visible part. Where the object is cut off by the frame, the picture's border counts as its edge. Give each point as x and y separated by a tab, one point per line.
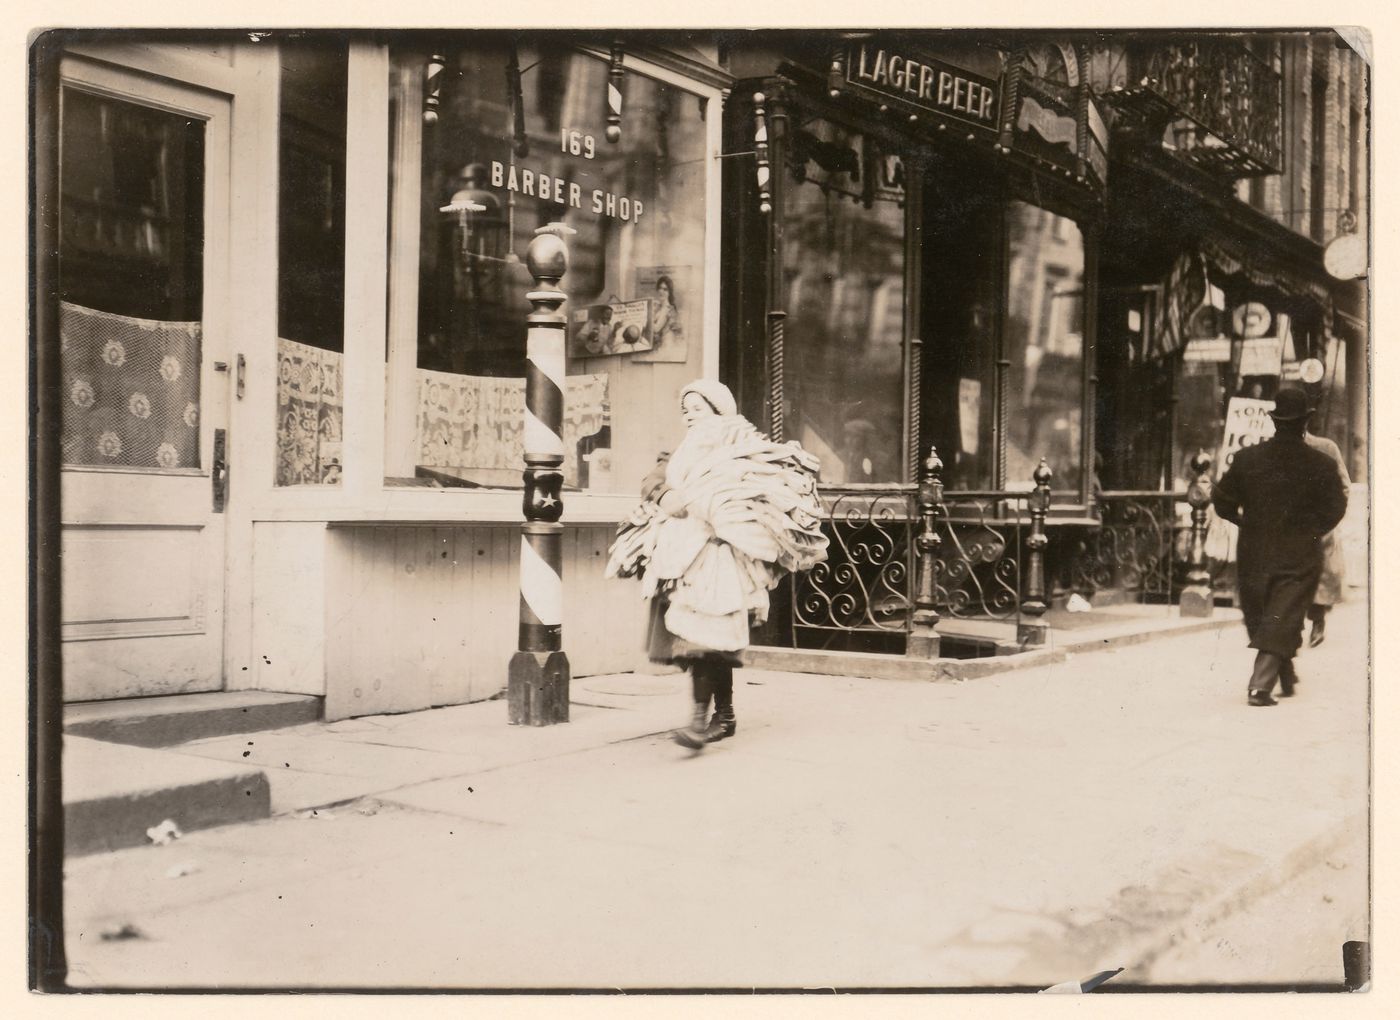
751	515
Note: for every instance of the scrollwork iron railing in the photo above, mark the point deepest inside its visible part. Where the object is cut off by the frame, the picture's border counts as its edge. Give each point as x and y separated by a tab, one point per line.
869	579
1133	549
978	573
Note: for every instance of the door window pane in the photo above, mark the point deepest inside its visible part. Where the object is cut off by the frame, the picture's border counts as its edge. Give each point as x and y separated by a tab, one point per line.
131	246
1044	343
844	281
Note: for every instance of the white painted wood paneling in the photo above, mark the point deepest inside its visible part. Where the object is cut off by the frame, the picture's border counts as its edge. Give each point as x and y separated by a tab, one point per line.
288	611
133	582
422	616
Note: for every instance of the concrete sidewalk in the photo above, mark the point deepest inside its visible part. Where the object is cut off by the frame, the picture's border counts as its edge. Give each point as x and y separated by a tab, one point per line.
1018	830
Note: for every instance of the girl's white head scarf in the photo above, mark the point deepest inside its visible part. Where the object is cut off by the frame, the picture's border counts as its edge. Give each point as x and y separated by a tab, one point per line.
714	393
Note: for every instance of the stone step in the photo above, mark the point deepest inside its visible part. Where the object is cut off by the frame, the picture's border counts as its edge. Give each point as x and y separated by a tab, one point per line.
174	719
113	794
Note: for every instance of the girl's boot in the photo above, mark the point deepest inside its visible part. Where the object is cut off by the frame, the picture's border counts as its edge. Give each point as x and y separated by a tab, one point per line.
693	736
722	724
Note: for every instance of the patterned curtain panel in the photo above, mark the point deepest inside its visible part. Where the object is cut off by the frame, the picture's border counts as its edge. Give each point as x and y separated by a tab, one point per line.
310	414
132	388
476	422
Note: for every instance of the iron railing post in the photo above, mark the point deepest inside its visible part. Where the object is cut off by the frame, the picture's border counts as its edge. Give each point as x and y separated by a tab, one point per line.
1032	628
923	635
1198	597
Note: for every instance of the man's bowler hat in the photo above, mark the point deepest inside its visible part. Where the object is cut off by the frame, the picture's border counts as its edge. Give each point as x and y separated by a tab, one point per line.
1290	404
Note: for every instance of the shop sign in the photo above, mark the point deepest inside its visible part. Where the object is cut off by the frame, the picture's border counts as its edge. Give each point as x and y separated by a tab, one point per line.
1215	349
1251	320
1247	423
1261	356
1055	128
925	83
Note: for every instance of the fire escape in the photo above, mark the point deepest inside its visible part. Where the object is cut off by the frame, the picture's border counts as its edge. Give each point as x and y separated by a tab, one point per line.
1210	103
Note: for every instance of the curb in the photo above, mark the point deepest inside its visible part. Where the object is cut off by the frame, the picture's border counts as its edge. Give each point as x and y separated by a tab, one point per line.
897	667
1137	956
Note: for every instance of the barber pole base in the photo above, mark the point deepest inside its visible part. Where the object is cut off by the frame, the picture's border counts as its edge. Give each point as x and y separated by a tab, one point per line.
538	688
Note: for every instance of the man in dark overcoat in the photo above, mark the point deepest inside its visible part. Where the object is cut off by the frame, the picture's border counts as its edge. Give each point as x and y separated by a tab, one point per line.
1284	496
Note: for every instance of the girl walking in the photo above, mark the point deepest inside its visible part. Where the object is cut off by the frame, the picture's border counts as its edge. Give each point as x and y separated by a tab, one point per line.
722	520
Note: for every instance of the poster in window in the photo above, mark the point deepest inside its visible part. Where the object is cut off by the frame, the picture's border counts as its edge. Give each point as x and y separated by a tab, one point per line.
674	303
618	327
969	413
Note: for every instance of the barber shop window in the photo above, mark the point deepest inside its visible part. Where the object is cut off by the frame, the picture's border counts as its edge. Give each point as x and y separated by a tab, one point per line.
1043	339
489	143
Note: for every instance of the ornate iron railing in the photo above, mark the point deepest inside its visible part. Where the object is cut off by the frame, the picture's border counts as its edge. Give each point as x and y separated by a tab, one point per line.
868	580
1133	549
1223	88
978	572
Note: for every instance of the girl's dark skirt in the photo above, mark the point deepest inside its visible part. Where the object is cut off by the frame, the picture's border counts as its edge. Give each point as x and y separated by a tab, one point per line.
665	648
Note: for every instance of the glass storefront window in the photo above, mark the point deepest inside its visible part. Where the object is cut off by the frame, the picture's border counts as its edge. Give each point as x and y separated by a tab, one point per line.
960	299
519	141
1044	343
844	260
311	264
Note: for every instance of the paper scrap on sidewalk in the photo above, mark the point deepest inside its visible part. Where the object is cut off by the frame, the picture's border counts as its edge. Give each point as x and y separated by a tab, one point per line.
166	832
126	931
181	870
1079	987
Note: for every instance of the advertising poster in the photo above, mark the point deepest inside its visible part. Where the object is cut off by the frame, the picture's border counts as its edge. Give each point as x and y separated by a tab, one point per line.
969	412
675	306
618	327
1247	423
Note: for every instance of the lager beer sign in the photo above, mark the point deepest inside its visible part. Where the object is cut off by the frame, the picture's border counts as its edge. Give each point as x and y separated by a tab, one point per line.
925	83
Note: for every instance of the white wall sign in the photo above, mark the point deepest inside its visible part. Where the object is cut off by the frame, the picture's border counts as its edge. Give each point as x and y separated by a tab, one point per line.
1247	423
1262	356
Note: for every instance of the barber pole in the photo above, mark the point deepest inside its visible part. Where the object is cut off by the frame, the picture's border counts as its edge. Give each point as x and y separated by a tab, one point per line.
613	132
538	679
760	146
432	88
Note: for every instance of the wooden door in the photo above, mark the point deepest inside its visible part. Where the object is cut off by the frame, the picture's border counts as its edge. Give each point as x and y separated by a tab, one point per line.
143	325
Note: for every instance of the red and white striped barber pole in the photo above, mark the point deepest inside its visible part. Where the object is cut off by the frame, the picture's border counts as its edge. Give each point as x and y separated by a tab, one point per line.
538	680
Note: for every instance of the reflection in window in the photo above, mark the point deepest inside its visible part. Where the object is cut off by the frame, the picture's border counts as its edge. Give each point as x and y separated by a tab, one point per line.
1044	343
470	188
131	257
311	264
845	298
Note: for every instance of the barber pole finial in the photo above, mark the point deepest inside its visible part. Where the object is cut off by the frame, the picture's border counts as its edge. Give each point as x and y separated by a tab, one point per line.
432	88
760	145
613	132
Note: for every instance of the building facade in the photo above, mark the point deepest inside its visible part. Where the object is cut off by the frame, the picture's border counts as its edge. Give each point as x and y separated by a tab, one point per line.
289	294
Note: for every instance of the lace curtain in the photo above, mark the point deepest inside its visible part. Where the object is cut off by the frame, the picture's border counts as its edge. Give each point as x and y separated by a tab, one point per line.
310	414
477	422
132	388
